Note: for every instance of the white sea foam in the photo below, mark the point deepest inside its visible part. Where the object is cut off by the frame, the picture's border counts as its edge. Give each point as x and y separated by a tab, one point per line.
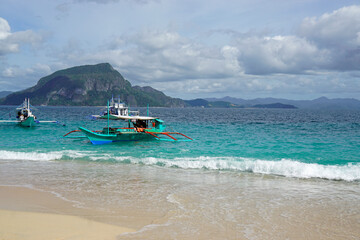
35	156
56	194
40	156
284	167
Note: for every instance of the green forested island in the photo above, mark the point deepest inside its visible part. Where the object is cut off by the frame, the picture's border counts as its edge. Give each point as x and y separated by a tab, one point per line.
89	85
93	85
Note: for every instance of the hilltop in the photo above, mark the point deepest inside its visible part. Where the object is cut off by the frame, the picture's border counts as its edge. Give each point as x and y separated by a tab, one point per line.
90	85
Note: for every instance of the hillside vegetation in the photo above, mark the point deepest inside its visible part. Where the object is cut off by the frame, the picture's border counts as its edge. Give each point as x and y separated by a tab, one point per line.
90	85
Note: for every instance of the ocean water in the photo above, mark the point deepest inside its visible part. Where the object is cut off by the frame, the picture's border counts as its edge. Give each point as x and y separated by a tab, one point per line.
291	143
249	173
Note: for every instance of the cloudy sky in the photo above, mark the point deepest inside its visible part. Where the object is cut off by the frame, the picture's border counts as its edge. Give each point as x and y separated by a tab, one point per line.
297	49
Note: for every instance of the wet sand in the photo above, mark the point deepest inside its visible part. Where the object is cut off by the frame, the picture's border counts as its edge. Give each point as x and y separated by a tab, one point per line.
30	214
165	203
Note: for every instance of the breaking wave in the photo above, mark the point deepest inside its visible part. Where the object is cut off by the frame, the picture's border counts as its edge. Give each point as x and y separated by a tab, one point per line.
41	156
284	167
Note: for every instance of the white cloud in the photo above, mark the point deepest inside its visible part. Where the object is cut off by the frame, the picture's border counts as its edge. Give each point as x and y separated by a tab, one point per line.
10	42
13	77
113	1
253	63
16	71
328	43
280	54
8	72
188	55
4	29
6	46
341	28
339	33
160	56
155	40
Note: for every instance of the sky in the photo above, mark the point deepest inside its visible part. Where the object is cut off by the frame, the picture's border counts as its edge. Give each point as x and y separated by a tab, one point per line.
295	49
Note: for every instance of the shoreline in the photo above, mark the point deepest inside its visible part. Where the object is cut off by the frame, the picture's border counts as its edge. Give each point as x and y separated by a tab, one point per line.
158	203
32	214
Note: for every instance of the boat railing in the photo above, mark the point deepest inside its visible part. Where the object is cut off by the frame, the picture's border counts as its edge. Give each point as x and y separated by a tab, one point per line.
134	113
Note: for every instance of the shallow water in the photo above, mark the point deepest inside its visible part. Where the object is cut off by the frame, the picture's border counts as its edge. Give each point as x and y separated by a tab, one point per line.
249	174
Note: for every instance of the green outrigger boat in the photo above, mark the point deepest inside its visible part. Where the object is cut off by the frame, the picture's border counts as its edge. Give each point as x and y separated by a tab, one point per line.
139	128
24	115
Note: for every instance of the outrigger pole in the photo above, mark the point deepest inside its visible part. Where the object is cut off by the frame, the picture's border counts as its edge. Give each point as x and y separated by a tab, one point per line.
169	135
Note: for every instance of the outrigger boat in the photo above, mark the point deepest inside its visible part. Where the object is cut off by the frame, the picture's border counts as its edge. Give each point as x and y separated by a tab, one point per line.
139	128
117	109
24	116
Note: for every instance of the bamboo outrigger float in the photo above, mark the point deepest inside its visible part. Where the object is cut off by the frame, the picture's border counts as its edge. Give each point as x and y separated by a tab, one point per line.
139	128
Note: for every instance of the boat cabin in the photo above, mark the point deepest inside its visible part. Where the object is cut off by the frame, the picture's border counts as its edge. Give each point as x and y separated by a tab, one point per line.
151	123
23	111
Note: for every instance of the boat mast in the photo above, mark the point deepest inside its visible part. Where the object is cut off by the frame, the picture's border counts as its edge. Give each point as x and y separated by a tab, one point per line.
108	117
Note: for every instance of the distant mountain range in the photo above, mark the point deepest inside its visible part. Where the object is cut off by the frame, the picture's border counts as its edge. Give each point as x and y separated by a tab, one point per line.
206	104
224	104
319	103
89	85
93	85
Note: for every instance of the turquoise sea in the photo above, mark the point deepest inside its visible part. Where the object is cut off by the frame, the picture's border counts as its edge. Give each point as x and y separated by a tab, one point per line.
249	173
291	143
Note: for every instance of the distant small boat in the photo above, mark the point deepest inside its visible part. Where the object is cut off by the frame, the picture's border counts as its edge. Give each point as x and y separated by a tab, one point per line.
117	109
24	116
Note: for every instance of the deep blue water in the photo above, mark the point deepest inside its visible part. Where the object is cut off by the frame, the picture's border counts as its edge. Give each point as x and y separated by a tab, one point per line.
292	143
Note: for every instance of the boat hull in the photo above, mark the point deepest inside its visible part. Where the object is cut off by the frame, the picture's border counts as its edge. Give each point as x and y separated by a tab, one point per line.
29	122
111	117
101	138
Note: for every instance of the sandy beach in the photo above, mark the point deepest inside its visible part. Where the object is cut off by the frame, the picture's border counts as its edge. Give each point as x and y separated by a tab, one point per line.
176	204
30	214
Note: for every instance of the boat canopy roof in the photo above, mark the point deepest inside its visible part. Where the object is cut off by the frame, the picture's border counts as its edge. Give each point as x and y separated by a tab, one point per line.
137	118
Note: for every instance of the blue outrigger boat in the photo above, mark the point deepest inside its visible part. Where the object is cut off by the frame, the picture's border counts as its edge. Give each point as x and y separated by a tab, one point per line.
139	128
